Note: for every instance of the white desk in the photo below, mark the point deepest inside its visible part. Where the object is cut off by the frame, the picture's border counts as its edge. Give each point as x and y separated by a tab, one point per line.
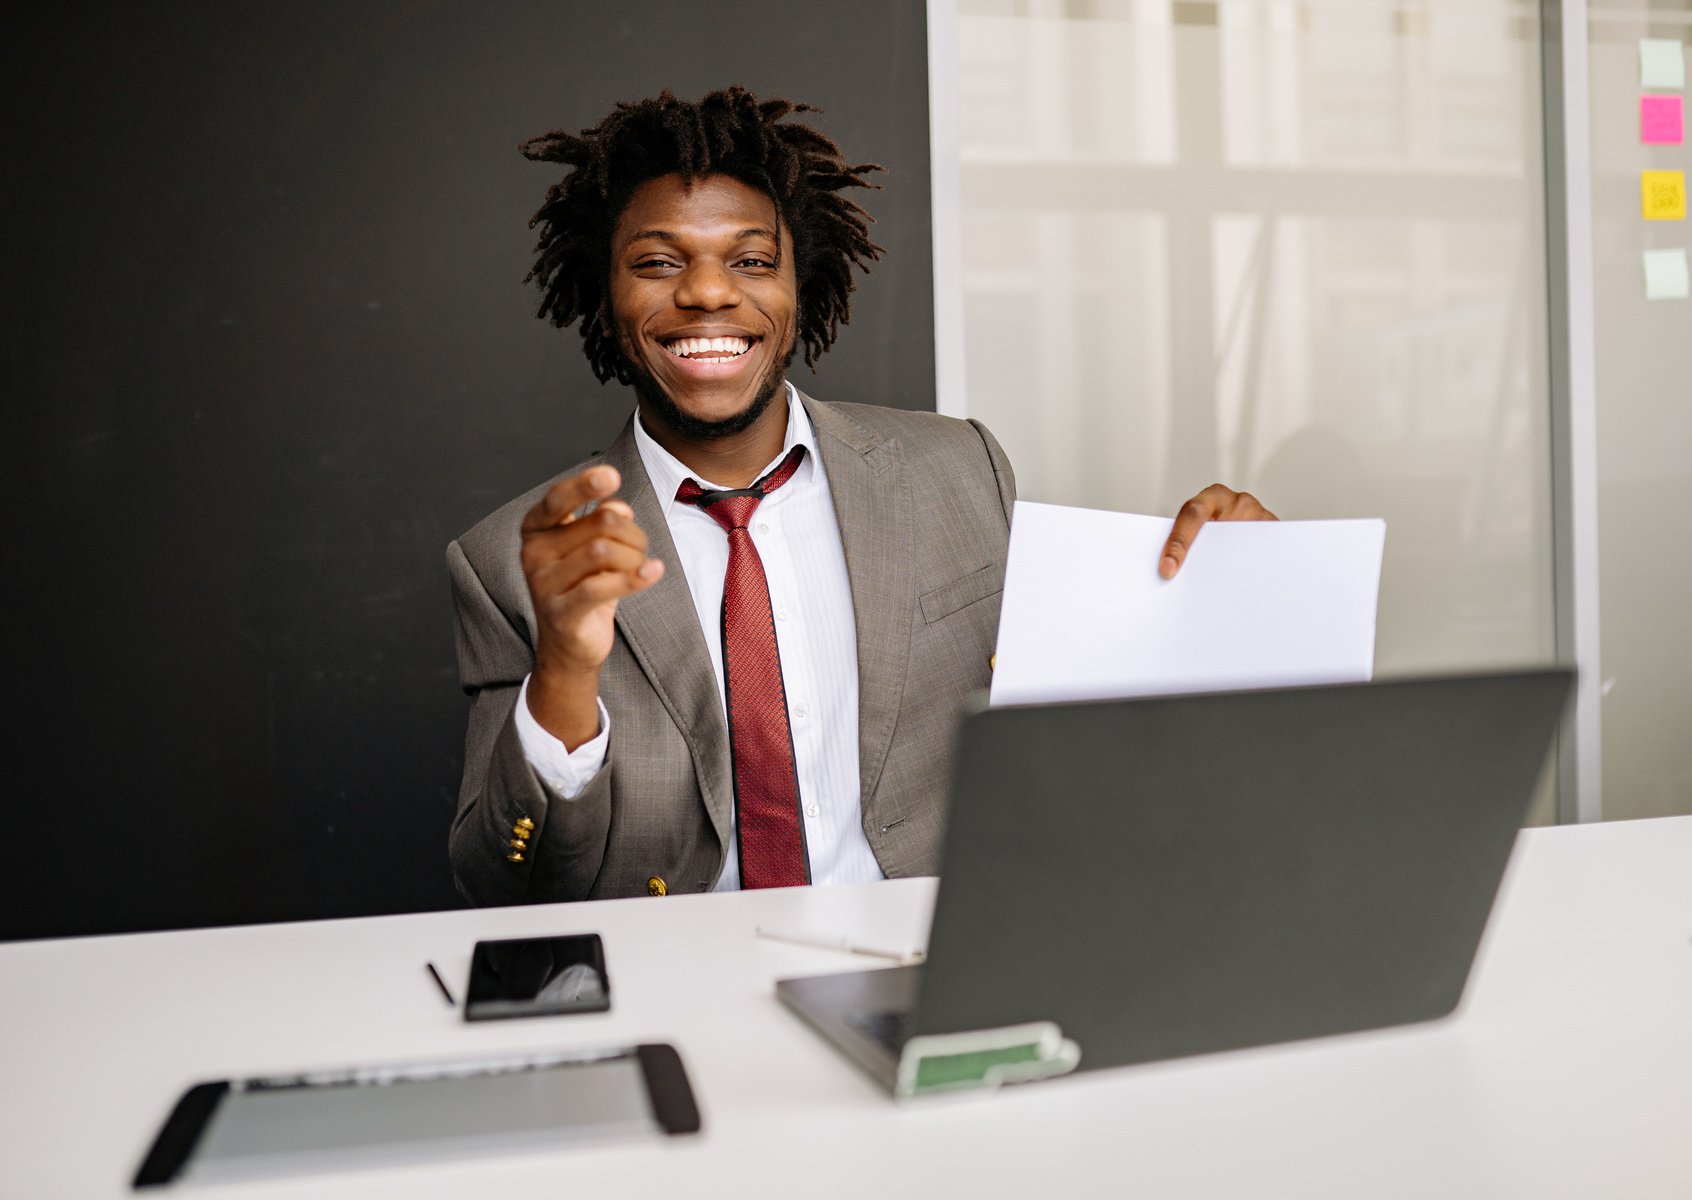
1567	1073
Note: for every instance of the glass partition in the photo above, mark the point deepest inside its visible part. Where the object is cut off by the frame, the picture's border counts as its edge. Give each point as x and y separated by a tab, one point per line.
1297	247
1644	428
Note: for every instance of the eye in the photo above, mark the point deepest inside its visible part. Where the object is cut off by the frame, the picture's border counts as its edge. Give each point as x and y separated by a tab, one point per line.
756	262
652	264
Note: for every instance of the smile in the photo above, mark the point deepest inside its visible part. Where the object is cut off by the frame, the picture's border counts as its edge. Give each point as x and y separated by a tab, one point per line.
709	350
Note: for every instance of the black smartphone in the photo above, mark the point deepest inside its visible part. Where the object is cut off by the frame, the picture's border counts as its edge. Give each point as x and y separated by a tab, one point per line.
533	977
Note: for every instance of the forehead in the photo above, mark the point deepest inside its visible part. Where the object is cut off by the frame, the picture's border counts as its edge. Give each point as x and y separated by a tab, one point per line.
710	205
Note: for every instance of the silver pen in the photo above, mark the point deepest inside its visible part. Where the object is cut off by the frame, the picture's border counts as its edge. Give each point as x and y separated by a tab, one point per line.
843	945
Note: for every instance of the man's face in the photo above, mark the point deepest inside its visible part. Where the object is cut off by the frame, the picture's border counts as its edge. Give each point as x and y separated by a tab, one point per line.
703	301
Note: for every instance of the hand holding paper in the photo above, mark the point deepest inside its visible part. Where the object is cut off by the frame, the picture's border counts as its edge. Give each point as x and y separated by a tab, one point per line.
1218	502
1257	604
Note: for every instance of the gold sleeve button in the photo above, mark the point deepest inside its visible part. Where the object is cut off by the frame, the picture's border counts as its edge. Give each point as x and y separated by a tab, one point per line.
514	856
656	886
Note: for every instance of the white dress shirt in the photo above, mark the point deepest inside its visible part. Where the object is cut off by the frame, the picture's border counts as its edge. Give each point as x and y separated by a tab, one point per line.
798	540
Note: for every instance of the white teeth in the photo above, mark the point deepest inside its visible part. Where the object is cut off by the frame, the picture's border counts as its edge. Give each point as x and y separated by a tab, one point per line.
718	349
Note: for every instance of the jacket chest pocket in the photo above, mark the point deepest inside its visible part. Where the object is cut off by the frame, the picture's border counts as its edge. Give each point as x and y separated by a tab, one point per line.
943	601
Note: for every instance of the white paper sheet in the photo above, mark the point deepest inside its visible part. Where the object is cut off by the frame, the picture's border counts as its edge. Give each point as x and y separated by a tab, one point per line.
1257	604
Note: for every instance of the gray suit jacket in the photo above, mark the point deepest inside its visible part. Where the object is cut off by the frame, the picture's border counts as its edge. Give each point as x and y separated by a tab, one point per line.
924	507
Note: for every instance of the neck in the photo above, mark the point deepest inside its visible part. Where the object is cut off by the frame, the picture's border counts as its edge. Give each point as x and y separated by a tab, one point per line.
734	460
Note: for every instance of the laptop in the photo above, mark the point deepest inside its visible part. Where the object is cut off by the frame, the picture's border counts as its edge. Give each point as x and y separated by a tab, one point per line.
1134	880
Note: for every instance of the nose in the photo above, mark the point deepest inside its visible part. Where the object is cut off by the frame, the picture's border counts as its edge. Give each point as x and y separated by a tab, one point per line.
707	286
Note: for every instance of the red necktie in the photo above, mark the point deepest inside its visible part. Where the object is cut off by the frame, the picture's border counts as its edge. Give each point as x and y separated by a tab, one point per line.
766	782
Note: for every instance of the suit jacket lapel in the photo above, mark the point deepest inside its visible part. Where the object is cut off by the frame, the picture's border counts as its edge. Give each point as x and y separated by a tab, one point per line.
872	502
662	631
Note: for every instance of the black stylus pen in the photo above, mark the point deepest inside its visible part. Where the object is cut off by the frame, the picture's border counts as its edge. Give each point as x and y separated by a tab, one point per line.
440	983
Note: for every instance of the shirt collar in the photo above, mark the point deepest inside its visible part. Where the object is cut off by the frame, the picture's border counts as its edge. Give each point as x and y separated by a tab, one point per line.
666	471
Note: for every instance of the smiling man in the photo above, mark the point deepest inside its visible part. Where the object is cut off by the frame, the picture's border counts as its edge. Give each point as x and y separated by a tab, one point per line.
732	650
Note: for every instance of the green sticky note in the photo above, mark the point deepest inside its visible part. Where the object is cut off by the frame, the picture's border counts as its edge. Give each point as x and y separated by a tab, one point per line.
983	1058
1662	63
951	1070
1666	276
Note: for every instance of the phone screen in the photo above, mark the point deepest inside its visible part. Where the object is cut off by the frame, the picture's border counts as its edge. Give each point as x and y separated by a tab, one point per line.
526	977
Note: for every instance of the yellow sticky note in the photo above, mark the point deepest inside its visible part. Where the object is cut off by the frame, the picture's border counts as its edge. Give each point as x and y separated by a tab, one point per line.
1663	195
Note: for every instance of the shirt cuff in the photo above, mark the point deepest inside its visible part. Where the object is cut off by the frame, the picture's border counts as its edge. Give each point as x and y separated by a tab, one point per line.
566	772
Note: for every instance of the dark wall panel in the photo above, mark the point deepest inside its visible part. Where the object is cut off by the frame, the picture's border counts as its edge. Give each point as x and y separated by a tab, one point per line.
267	350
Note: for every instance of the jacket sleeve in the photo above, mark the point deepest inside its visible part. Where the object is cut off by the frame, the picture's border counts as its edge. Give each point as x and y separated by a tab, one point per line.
566	847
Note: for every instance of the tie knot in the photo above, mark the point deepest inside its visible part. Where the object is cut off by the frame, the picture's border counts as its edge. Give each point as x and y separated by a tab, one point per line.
734	509
731	510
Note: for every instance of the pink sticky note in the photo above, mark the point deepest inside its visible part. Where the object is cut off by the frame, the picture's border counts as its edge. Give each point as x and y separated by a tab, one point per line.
1661	122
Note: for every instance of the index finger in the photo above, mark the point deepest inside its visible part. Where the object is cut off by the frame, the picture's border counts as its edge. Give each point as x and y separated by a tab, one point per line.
567	495
1194	513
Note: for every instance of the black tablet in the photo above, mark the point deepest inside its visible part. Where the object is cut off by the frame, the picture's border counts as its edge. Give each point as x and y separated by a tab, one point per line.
383	1116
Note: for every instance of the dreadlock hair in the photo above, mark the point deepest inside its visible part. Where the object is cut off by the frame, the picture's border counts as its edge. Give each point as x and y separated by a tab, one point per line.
729	132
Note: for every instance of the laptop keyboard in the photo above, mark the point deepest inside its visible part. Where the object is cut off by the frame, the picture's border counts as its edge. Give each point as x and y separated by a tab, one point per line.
888	1028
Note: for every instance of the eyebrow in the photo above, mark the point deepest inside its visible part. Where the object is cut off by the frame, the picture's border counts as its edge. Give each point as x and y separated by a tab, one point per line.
664	235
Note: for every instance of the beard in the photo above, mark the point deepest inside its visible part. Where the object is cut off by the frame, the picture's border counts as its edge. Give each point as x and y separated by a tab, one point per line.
657	401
